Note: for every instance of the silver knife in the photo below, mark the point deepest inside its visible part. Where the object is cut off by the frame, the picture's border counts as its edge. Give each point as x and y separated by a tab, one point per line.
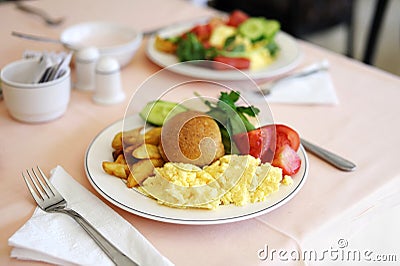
329	157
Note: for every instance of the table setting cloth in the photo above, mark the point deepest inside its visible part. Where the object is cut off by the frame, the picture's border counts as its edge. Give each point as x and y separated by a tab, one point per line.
56	238
360	123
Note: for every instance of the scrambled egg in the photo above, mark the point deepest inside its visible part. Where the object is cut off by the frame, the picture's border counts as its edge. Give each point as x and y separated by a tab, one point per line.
220	34
259	58
233	179
258	55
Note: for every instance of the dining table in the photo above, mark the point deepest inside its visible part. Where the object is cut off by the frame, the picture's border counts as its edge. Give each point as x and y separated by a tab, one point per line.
333	210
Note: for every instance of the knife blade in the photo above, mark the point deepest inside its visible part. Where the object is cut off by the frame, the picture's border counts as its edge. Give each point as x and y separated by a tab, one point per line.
329	157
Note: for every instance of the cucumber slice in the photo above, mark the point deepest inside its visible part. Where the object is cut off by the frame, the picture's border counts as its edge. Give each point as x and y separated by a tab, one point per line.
259	28
271	28
253	28
156	112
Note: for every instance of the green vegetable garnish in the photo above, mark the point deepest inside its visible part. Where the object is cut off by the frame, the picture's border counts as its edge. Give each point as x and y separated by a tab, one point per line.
190	48
272	47
231	119
231	46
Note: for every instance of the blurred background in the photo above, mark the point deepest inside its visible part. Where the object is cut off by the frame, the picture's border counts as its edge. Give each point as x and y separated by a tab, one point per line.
367	30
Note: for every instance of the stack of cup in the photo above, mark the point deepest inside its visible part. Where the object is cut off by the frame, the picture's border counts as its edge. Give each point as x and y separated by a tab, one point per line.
99	74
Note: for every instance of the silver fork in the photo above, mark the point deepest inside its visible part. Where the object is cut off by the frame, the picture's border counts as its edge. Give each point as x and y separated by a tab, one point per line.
41	13
50	200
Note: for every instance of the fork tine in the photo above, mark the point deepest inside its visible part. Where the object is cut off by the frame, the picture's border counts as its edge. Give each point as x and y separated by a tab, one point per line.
44	186
31	189
38	184
51	188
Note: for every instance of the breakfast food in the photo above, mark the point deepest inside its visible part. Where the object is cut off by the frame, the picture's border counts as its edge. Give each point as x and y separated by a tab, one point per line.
274	143
191	137
239	40
156	112
137	150
184	162
233	179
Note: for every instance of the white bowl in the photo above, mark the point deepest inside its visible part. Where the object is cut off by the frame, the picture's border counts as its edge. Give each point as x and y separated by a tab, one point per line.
111	39
34	102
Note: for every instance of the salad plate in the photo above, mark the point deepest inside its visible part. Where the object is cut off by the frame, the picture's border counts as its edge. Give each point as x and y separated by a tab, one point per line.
287	59
116	192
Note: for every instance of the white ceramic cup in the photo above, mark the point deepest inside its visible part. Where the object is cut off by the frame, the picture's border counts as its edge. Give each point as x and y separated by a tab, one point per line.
34	102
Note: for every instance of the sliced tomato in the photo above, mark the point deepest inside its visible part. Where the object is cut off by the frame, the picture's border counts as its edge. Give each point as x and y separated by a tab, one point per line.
237	62
206	44
284	135
203	32
236	18
287	135
277	144
287	144
260	143
287	159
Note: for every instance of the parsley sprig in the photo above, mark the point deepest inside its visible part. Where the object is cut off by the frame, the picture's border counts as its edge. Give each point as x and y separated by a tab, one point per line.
232	119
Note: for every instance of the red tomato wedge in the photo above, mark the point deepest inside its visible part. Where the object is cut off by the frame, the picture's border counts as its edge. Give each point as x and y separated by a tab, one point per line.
287	135
203	32
277	144
260	143
236	18
237	62
287	159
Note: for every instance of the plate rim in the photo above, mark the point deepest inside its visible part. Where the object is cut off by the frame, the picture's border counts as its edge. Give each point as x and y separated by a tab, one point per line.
133	42
152	54
156	217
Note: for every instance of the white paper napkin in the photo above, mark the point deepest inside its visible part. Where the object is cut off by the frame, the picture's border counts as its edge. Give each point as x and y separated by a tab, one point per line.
57	238
315	89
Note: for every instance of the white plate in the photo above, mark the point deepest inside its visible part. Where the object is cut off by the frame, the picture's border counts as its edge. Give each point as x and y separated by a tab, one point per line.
288	58
115	191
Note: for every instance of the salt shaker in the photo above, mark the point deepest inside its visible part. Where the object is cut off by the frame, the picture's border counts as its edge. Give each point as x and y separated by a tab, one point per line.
85	62
108	88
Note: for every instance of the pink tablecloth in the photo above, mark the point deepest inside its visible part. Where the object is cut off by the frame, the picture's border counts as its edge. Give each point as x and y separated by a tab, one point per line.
363	127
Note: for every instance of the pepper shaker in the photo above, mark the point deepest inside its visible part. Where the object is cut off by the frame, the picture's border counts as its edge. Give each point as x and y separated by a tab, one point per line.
108	82
85	62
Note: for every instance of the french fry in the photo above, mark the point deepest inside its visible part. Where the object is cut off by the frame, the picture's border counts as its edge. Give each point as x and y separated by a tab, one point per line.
132	137
144	168
117	153
146	151
128	154
136	149
120	159
153	136
165	45
157	162
116	169
117	141
131	181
